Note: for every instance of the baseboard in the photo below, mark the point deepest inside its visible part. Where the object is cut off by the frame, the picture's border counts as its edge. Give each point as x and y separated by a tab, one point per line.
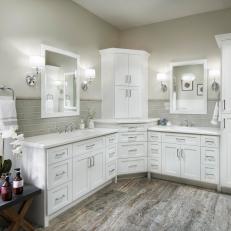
132	176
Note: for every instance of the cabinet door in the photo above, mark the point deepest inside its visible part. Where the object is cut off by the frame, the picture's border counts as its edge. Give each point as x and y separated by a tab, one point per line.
226	77
135	70
121	69
97	171
190	162
171	160
135	110
226	152
81	168
121	102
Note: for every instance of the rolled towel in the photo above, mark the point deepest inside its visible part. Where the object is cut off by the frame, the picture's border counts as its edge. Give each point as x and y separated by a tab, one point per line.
215	117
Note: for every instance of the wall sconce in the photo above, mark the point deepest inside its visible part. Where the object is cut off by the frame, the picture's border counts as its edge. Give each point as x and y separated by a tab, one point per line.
89	75
214	74
37	63
162	78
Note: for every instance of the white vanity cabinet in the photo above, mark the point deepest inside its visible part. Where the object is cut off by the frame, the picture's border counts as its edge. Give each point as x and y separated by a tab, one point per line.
68	167
124	78
188	156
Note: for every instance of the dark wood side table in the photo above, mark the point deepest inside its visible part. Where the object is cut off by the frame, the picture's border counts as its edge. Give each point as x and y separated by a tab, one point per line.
17	218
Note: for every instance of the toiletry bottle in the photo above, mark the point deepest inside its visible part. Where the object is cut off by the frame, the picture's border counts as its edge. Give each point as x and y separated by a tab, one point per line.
82	125
18	183
6	190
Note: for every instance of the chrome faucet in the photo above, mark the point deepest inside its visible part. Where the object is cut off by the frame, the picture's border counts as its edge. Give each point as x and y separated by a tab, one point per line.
69	128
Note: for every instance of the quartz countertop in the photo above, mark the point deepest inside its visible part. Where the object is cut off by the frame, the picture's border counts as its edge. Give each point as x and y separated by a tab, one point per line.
56	139
188	130
126	121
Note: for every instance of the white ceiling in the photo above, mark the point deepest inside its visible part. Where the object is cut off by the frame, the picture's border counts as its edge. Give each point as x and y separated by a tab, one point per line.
131	13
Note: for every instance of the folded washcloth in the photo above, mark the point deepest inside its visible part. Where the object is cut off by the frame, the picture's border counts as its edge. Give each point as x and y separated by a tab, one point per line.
8	117
216	114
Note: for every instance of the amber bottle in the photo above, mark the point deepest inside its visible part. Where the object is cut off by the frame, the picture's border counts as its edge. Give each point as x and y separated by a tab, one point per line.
6	190
18	183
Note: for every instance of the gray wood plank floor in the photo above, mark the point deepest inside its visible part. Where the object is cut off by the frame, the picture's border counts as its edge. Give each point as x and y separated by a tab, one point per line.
139	204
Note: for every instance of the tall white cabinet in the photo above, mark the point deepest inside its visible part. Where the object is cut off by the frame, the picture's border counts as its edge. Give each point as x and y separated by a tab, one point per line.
124	78
224	42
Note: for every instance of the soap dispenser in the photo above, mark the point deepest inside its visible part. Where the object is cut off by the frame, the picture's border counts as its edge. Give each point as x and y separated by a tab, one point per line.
18	182
6	190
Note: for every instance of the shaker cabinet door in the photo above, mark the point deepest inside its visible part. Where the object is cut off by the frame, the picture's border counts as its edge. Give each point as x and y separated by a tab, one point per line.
121	102
135	70
135	107
121	69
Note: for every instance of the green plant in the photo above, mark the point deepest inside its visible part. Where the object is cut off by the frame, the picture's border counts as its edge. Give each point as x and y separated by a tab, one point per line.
5	166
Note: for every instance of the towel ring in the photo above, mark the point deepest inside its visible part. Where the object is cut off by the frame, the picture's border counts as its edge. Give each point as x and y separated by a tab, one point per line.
4	88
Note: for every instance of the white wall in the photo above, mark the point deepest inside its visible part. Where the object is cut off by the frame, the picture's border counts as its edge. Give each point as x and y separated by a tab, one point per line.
182	39
25	24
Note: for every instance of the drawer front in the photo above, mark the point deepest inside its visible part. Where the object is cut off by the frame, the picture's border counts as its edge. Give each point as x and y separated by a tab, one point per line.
112	139
210	141
58	198
209	174
133	137
132	165
136	149
154	136
59	173
209	156
111	170
154	165
55	155
88	146
181	139
111	153
133	127
154	149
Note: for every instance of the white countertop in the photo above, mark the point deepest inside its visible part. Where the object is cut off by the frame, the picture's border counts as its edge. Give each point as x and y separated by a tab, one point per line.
188	130
56	139
126	121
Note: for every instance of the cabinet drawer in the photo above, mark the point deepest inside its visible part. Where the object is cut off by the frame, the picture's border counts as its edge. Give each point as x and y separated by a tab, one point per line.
55	155
210	141
154	165
112	139
133	137
154	136
59	173
181	139
133	128
111	153
89	145
58	198
132	165
209	155
135	149
154	149
111	170
209	174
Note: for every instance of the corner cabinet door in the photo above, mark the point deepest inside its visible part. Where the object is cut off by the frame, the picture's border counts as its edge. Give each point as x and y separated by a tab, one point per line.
226	77
81	169
135	108
121	69
136	63
171	160
226	152
190	162
121	102
97	171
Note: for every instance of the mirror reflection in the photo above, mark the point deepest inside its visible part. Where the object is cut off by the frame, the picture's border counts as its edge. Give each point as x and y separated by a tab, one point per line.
189	88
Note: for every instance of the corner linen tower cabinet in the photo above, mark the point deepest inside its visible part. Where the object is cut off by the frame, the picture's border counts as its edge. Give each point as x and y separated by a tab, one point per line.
124	77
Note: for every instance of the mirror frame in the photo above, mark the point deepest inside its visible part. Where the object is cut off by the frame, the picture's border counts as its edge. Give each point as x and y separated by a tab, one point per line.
44	114
205	96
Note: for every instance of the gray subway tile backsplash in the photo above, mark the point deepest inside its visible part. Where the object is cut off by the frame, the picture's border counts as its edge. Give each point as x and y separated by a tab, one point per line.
31	123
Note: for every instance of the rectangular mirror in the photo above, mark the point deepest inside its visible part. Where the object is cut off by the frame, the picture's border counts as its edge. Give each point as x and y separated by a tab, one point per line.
59	83
188	87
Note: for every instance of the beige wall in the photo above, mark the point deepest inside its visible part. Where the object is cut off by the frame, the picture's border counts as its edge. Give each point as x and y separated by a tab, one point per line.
178	40
25	24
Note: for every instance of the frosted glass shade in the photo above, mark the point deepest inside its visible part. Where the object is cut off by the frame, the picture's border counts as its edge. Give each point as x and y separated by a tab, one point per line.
214	73
37	61
90	73
161	77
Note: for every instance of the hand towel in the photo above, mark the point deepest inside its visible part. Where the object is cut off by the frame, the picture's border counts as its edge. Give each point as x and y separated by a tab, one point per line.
216	113
8	117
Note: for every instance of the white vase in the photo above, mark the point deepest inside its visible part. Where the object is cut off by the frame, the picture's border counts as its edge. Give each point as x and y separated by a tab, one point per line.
91	124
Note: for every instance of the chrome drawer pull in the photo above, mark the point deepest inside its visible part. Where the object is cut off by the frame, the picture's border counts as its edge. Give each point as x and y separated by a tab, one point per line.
154	165
132	166
90	146
209	174
132	137
111	139
180	139
210	168
111	154
133	150
111	171
154	150
58	155
60	198
155	137
60	174
209	141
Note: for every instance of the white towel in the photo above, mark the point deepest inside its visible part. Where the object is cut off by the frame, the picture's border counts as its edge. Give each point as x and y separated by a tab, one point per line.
216	114
8	117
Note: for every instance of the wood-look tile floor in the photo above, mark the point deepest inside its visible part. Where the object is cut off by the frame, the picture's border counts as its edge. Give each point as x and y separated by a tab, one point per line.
139	204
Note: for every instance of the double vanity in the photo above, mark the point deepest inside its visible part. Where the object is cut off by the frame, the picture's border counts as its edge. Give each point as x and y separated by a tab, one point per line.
69	167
